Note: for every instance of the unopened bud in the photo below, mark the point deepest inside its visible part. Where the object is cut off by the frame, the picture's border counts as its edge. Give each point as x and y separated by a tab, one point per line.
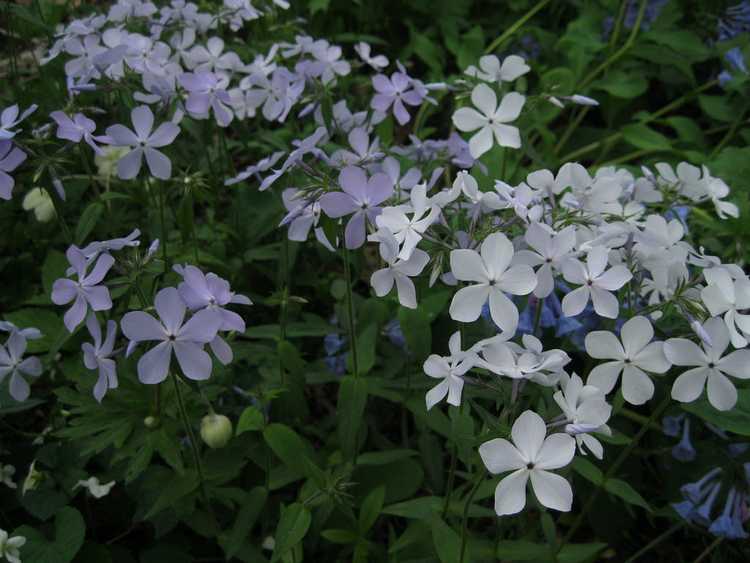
216	430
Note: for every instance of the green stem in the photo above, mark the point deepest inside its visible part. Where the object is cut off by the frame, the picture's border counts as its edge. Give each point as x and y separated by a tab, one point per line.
570	129
284	301
620	52
655	414
465	521
162	224
516	26
618	24
63	225
350	308
706	552
193	444
451	480
656	541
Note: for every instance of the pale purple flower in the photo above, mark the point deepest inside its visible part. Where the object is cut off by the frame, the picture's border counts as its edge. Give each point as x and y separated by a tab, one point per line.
86	291
185	339
77	128
277	95
302	215
143	141
93	249
377	62
212	57
29	333
361	197
363	152
9	118
207	91
255	169
395	91
202	291
97	356
308	145
11	158
12	362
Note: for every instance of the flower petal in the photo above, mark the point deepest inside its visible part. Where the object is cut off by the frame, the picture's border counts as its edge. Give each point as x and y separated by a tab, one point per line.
500	455
154	364
603	345
636	333
467	303
721	391
689	385
574	302
139	326
553	491
528	433
637	387
510	494
604	376
194	361
556	451
467	265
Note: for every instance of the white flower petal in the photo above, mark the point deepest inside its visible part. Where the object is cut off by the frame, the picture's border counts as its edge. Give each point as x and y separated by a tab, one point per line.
552	490
510	494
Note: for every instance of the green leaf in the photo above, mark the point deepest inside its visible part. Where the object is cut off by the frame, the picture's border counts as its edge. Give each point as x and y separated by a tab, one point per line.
70	531
351	407
623	85
736	420
251	508
293	525
643	137
316	6
340	536
89	218
371	507
176	489
366	341
251	420
522	550
627	493
580	553
292	450
419	508
719	108
384	457
447	542
588	470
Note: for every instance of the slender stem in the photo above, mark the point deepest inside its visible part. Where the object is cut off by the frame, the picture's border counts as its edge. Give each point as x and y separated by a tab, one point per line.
350	309
618	24
706	552
655	414
193	444
516	26
570	129
620	52
63	225
284	302
656	541
465	521
162	224
451	479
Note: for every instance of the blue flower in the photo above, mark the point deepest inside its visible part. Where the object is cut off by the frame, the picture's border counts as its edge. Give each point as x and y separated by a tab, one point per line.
729	523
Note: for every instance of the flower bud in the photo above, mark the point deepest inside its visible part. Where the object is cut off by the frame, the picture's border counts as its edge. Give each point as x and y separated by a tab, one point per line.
151	422
216	430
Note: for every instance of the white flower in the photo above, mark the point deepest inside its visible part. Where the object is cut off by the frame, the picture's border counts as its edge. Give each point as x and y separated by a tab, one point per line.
481	202
595	283
398	271
408	231
490	69
9	547
531	455
550	250
494	276
491	120
725	296
586	410
712	367
449	369
39	201
93	486
6	476
522	362
633	358
377	62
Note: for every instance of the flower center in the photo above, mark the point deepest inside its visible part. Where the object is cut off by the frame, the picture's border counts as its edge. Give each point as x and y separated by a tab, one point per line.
530	465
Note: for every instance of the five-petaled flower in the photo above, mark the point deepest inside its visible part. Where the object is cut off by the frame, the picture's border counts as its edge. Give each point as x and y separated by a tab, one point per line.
595	283
97	355
14	364
450	369
530	456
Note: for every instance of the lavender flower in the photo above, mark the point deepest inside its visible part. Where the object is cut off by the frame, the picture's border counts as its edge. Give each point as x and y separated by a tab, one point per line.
207	91
202	291
9	118
29	333
185	339
10	158
86	291
142	142
255	169
12	362
395	92
97	356
361	197
76	128
302	215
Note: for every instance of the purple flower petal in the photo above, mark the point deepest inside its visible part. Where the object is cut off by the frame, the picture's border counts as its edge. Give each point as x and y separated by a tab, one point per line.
121	136
64	291
130	164
194	361
74	316
19	389
164	135
103	264
202	327
154	364
159	165
98	297
338	204
221	350
380	188
171	309
143	121
355	232
139	326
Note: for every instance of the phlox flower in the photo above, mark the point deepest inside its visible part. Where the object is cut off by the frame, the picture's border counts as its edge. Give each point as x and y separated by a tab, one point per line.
95	487
87	291
549	249
185	339
393	93
14	364
409	230
450	369
98	356
531	456
11	157
711	366
40	203
77	128
302	215
397	271
490	69
595	284
144	141
10	547
9	119
725	296
586	410
490	120
632	358
207	92
491	270
361	197
377	62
